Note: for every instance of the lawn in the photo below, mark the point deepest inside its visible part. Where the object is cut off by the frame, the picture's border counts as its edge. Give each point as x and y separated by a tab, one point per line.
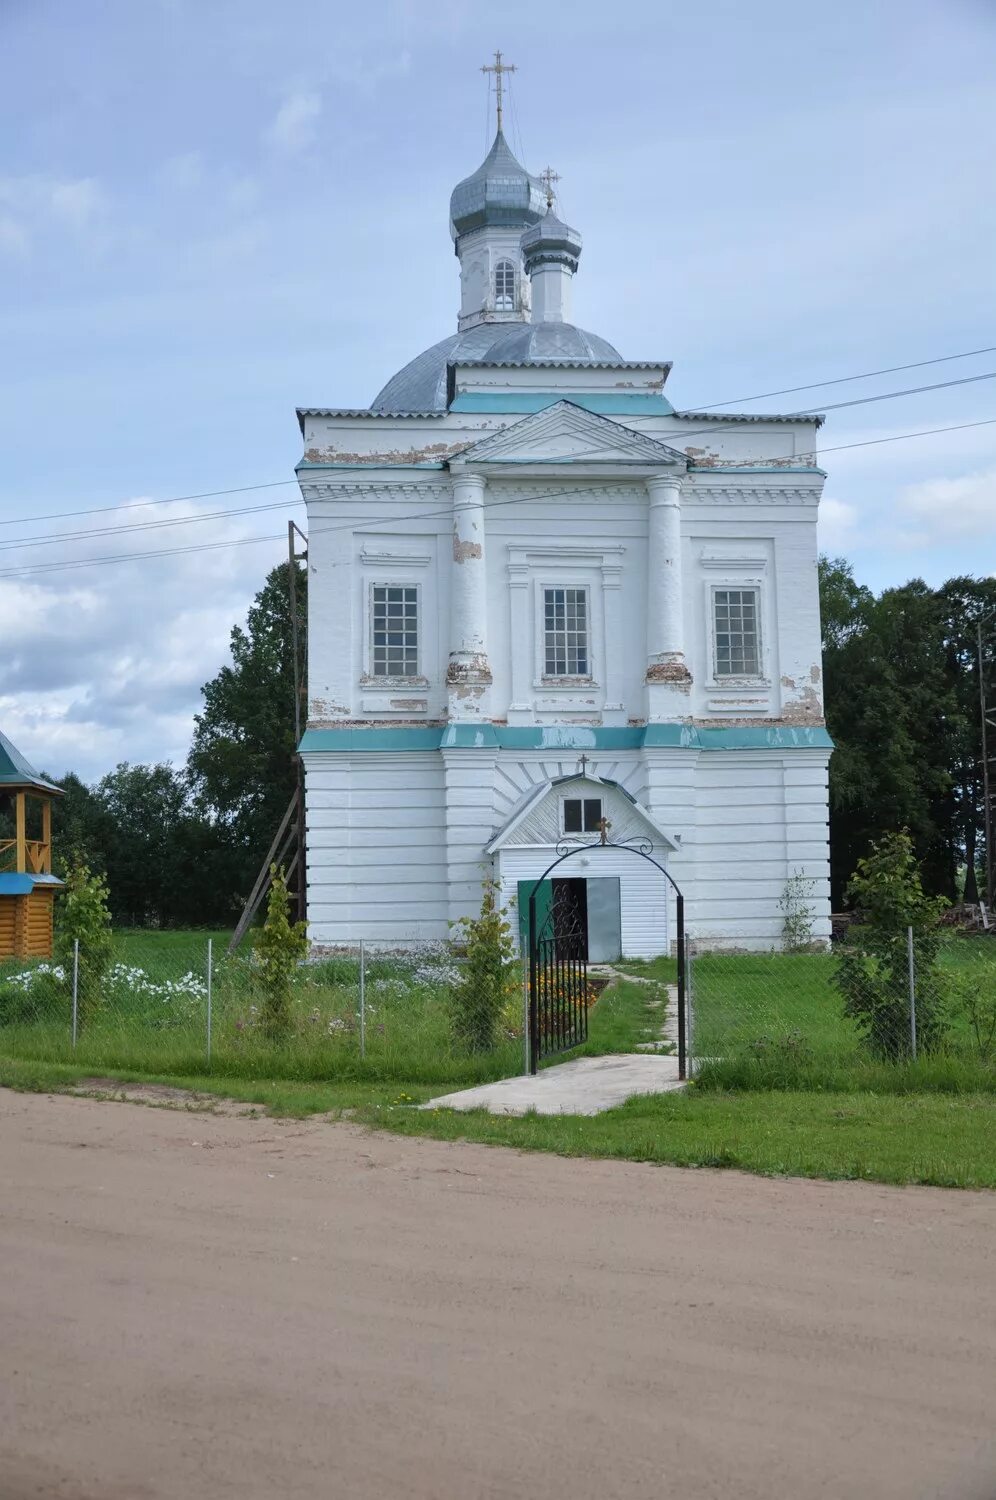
944	1140
153	1017
775	1020
782	1084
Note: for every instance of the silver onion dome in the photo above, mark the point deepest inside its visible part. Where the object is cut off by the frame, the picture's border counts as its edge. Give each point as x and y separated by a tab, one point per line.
421	385
550	241
500	193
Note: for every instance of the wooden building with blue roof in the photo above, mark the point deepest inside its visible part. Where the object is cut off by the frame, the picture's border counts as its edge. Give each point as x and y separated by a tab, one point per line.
27	885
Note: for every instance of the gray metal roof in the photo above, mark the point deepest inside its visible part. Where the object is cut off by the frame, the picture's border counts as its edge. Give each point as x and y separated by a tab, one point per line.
500	192
750	416
421	385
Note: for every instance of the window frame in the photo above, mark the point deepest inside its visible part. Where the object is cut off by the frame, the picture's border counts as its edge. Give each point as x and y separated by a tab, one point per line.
373	677
504	301
757	674
583	802
546	677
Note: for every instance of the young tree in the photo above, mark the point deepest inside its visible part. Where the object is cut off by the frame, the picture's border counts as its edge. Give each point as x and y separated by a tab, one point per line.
280	946
873	969
83	917
242	760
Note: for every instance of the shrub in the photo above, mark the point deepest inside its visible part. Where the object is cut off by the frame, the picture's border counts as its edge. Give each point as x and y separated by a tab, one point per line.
797	914
479	997
279	948
83	917
873	970
974	997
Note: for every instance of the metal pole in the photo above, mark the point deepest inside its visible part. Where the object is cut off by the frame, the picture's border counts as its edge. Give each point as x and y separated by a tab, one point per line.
690	989
209	968
682	1059
533	1010
912	979
363	1001
525	1015
987	810
76	989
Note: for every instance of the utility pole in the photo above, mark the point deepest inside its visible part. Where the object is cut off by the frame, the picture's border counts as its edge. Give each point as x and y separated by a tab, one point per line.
987	710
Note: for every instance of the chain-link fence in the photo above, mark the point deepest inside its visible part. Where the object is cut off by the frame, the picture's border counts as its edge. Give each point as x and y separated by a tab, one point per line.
177	1003
820	1016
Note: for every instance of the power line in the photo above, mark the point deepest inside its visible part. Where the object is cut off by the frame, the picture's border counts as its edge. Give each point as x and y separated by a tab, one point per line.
33	569
51	538
99	510
63	515
792	390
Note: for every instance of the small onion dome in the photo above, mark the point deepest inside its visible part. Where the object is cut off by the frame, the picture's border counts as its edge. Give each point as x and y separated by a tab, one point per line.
500	193
551	242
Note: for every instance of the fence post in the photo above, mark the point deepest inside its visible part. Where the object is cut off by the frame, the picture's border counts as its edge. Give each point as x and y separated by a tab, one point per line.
76	989
209	968
682	1060
912	982
524	963
363	1001
690	993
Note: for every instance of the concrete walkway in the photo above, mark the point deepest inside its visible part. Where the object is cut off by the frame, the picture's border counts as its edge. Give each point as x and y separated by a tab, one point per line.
585	1086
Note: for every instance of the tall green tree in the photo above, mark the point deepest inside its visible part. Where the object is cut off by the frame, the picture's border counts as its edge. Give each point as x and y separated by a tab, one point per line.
899	681
242	760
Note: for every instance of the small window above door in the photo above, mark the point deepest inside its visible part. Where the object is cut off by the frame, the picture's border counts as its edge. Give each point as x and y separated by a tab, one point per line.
582	814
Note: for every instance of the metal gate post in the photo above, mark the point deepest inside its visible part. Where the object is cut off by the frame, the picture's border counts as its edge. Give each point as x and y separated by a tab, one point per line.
681	987
533	1017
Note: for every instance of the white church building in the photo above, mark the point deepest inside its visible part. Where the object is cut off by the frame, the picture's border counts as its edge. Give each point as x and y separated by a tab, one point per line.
545	607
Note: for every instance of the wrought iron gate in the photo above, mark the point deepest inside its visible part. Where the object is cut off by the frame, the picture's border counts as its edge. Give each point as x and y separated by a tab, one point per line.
558	981
558	959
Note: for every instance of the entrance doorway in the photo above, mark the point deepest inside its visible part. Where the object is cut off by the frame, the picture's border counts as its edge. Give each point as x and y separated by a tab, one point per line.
584	915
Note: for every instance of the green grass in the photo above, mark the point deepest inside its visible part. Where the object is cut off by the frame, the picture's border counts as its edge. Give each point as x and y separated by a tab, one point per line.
775	1020
948	1141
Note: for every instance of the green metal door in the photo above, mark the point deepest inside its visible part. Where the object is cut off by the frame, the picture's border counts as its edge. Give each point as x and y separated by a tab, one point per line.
544	907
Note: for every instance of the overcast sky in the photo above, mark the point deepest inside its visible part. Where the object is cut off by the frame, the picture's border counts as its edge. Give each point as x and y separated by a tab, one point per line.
212	211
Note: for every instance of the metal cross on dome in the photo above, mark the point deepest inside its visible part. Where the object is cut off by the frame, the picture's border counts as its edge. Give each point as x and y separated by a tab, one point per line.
499	69
548	177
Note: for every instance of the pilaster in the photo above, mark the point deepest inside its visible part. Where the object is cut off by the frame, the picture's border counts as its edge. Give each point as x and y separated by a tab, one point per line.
468	674
668	678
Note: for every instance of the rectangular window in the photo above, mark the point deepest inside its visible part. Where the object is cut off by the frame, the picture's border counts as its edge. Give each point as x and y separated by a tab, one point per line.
565	628
737	643
582	814
394	630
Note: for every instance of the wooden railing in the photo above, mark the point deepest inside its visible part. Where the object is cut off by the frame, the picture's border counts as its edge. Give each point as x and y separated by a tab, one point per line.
37	859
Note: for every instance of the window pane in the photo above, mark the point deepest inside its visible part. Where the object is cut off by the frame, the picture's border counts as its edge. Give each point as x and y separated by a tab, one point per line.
572	815
592	814
736	633
566	647
394	631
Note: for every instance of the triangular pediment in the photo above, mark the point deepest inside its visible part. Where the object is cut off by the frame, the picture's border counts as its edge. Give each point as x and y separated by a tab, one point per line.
565	433
537	818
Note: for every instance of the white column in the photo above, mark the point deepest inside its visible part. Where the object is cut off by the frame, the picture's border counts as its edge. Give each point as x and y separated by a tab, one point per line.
668	678
468	675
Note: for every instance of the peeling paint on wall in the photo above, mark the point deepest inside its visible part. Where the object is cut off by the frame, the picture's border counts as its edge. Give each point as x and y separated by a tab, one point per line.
465	551
431	453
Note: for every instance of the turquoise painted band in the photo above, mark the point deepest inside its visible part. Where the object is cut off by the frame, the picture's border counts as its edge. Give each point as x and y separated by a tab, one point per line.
555	737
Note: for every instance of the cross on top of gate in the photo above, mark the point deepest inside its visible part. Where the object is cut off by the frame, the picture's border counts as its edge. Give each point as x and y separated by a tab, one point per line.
603	828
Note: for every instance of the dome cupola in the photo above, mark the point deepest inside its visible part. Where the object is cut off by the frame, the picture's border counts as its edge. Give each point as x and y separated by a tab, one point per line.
550	251
499	195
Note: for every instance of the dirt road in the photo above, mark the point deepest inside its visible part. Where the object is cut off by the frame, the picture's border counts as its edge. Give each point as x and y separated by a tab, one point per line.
193	1306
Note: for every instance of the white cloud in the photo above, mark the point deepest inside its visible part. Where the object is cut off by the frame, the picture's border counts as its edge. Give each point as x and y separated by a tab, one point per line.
106	664
13	236
837	520
76	203
183	172
294	126
36	203
943	509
